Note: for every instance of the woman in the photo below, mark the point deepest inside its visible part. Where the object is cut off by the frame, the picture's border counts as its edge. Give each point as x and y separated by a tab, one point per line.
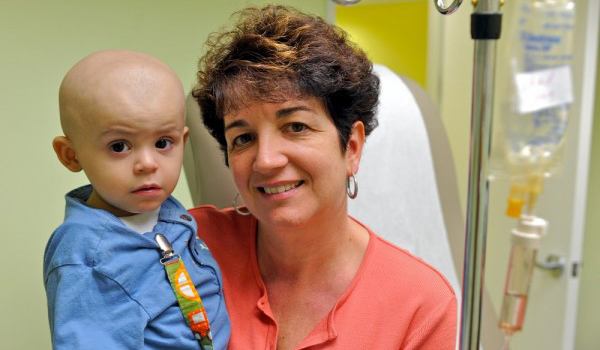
291	101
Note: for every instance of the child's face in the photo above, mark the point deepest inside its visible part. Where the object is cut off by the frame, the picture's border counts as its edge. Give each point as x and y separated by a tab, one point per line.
132	153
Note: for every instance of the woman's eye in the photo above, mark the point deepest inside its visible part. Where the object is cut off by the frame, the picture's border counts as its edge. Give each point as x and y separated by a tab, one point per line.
163	144
297	127
242	140
119	147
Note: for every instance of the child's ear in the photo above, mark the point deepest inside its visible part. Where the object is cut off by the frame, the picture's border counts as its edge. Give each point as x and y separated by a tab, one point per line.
66	153
186	133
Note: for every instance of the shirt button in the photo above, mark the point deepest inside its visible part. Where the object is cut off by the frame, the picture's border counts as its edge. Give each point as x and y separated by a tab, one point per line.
186	217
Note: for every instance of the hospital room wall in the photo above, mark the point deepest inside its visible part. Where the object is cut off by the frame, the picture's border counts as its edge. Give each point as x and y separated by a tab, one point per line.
396	25
557	206
547	308
40	41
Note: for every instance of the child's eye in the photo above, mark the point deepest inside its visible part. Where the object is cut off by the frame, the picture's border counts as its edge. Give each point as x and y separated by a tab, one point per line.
163	144
242	140
119	147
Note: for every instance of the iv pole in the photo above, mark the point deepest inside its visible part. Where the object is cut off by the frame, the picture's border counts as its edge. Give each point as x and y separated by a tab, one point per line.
485	30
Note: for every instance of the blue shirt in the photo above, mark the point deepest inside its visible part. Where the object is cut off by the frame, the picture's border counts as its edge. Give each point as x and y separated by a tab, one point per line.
107	289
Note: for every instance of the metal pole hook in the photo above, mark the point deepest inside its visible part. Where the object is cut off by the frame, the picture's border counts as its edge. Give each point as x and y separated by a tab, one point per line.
441	7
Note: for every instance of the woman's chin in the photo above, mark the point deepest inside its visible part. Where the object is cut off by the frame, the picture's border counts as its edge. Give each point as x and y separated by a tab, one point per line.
286	218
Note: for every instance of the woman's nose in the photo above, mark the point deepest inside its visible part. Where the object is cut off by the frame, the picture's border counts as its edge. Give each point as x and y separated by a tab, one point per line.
270	155
146	162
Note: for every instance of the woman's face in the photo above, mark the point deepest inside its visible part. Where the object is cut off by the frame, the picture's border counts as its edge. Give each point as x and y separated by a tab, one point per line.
287	162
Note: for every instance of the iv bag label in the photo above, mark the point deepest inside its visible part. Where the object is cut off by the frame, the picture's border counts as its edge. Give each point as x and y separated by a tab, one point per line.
544	88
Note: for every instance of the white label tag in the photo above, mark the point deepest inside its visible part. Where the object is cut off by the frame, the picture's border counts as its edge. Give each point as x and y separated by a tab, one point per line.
544	89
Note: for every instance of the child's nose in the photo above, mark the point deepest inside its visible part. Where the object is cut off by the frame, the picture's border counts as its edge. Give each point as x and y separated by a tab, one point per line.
146	163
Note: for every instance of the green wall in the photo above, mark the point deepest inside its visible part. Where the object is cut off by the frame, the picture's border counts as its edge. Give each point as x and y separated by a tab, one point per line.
40	40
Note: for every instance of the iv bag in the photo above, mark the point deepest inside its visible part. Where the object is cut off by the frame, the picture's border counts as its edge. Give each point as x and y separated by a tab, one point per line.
533	114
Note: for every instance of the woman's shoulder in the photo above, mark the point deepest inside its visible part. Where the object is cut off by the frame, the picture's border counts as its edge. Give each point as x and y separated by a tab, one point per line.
401	267
209	210
222	225
214	215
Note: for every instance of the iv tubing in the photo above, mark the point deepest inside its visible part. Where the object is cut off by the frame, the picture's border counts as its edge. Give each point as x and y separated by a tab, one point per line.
505	343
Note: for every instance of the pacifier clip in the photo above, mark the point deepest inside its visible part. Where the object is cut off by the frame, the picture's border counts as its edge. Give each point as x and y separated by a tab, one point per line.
187	297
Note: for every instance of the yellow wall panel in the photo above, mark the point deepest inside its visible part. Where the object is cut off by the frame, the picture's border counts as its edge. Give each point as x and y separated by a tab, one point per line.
394	35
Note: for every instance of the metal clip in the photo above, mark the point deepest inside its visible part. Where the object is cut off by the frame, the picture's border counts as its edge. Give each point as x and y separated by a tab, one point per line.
165	248
439	4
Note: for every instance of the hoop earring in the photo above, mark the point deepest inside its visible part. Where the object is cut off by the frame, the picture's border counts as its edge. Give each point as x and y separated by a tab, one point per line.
234	204
352	186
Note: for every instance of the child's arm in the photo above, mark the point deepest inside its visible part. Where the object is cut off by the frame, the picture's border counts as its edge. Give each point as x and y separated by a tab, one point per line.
88	310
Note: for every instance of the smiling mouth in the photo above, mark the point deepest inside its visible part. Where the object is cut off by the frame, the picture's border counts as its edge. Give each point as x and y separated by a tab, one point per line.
279	189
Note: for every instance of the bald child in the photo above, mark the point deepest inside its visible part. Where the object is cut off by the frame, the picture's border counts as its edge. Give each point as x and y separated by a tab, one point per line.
108	282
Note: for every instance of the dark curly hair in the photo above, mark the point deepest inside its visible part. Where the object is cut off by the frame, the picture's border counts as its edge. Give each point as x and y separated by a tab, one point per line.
276	53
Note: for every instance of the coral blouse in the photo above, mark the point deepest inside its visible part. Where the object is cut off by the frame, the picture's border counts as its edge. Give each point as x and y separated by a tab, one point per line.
395	301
